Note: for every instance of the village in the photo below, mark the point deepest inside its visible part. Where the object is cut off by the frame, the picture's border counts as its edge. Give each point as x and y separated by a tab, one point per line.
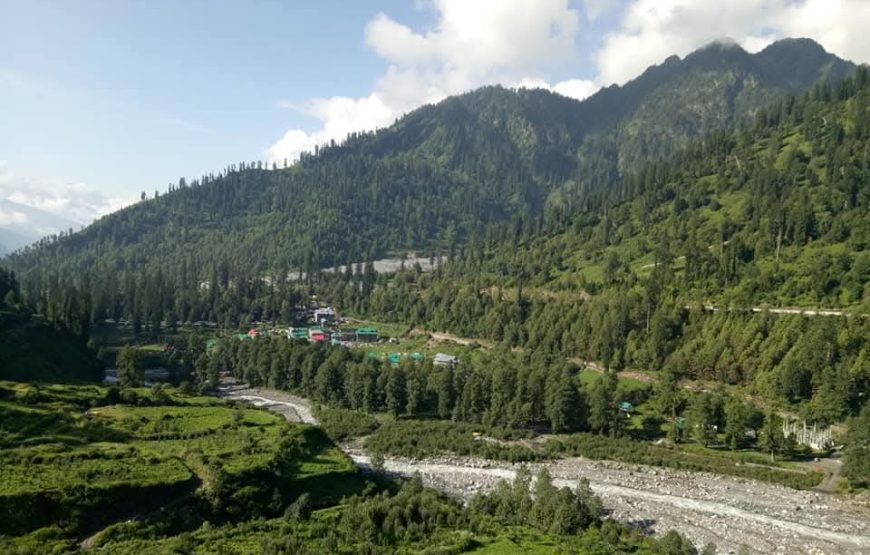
324	325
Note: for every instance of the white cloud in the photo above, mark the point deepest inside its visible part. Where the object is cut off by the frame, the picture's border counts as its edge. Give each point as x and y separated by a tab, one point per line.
515	42
70	202
12	217
651	30
472	44
339	115
576	88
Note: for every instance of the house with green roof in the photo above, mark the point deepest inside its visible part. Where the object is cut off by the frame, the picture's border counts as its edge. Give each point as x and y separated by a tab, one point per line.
367	335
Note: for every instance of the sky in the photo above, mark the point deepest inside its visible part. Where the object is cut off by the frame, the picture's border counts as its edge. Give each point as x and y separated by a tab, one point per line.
101	100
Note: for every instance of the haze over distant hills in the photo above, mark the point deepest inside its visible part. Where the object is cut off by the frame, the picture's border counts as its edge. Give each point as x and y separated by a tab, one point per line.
21	225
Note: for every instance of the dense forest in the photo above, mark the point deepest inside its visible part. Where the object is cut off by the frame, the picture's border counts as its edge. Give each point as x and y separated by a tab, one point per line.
211	247
510	396
775	214
543	251
34	347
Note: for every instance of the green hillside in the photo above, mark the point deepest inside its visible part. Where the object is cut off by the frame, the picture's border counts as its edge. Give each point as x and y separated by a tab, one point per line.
76	459
438	177
157	471
32	348
673	270
563	237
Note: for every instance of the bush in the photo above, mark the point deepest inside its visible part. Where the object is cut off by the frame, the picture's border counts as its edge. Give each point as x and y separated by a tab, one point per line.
422	438
300	509
627	450
341	423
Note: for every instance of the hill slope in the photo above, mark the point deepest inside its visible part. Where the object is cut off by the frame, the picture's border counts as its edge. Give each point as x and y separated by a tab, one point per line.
442	172
773	215
32	349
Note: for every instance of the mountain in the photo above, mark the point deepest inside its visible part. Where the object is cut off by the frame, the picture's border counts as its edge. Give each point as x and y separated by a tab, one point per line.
436	178
669	104
693	266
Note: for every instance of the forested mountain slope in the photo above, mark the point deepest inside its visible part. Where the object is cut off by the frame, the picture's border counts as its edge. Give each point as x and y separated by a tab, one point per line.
431	181
776	214
34	349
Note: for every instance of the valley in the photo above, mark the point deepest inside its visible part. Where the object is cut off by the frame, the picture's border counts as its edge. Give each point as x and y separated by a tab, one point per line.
731	513
503	321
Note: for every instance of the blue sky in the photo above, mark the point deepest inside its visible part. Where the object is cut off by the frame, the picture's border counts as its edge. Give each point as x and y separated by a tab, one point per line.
102	99
126	96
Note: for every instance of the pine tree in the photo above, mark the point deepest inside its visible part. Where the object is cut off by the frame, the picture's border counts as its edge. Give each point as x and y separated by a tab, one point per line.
735	423
773	439
131	369
603	407
564	406
702	418
395	391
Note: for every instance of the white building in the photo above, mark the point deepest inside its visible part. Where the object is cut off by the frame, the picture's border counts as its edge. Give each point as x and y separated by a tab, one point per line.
324	316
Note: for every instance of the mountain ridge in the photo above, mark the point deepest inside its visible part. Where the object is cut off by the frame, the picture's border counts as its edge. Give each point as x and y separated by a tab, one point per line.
441	175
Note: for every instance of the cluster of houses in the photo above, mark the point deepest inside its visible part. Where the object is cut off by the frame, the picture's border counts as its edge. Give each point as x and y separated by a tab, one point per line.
321	334
338	336
440	359
326	327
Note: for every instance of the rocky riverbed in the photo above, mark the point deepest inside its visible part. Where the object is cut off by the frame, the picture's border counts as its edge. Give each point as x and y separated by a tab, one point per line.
733	513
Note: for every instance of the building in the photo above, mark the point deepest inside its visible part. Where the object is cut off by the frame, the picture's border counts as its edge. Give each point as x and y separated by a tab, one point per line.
317	334
298	333
367	335
345	335
442	359
324	316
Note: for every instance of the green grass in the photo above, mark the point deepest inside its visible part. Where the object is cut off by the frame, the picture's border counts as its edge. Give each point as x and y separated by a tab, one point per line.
104	472
169	422
68	456
342	423
683	457
421	438
626	385
385	329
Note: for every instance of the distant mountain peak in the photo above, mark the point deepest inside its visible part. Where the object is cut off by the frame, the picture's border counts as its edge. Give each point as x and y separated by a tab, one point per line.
723	43
796	42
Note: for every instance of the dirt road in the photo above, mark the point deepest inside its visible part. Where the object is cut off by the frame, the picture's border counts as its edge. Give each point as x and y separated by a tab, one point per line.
730	512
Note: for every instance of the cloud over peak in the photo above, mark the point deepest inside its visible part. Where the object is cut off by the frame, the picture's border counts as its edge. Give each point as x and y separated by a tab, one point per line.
472	44
518	43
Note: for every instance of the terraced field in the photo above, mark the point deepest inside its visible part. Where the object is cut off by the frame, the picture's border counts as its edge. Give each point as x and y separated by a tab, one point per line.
74	460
